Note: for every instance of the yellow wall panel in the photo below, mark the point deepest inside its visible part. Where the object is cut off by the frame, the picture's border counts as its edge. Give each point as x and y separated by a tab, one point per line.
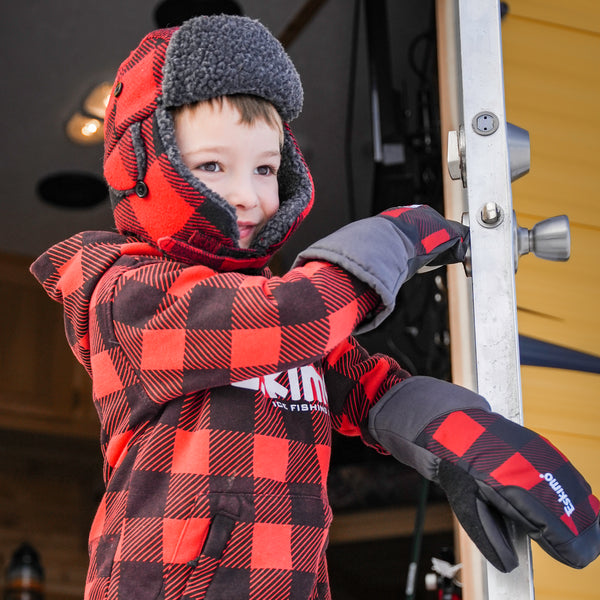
564	407
552	579
575	13
552	89
558	302
563	401
555	581
552	86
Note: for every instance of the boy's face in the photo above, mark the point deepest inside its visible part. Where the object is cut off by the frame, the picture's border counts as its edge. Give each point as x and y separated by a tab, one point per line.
236	160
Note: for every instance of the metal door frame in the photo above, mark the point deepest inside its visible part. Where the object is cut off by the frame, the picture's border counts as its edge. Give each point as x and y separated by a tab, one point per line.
483	314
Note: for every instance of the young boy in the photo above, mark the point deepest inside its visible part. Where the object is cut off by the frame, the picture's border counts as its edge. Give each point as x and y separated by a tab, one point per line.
218	385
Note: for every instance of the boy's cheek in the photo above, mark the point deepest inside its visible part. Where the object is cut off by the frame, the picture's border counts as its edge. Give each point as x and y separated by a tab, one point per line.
271	204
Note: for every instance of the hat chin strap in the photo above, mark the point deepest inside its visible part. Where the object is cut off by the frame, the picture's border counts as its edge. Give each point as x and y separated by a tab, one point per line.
236	259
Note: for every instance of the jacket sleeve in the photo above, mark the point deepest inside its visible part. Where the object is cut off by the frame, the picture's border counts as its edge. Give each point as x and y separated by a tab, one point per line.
186	329
355	382
190	328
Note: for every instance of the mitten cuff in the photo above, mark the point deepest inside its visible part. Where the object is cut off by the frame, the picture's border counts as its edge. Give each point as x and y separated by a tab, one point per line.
375	251
386	250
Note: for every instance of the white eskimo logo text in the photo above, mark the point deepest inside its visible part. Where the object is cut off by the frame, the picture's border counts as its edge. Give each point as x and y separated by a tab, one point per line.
560	492
305	393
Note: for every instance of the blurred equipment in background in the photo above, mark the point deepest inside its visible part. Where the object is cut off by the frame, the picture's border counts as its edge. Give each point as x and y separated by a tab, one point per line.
24	575
442	579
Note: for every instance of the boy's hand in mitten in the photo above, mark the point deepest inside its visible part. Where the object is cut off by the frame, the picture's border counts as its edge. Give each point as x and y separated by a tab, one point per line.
491	469
436	240
386	250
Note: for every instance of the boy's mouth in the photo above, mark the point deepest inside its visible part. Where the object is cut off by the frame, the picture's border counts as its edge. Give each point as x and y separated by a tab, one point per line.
246	231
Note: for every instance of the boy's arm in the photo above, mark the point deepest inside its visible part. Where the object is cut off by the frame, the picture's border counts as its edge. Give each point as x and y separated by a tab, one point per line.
194	329
491	469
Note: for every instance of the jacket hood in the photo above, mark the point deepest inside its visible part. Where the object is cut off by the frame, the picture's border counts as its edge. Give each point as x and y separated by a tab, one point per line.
154	195
70	271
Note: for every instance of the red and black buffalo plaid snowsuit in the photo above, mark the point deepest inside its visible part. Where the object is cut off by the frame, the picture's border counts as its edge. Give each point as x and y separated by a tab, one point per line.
217	394
217	385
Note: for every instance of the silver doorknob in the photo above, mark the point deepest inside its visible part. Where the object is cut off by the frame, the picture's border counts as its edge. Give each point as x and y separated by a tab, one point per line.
549	239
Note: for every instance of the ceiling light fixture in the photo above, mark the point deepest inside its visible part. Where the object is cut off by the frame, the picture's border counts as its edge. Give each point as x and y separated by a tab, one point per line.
97	100
86	126
85	130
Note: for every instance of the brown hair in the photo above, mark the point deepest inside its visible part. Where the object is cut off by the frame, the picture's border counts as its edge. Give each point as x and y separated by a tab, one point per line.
251	109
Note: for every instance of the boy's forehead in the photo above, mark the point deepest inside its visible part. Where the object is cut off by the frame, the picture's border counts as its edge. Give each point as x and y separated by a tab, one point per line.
230	106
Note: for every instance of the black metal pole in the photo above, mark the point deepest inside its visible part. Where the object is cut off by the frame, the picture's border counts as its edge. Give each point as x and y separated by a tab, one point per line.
417	541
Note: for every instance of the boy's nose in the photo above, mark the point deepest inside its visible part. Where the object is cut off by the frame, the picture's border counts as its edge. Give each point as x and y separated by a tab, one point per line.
243	195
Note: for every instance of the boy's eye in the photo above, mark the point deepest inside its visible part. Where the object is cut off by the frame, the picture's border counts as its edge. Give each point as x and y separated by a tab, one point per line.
210	167
266	170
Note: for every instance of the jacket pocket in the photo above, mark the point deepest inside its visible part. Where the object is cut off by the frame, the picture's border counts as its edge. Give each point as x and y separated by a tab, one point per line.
102	556
202	569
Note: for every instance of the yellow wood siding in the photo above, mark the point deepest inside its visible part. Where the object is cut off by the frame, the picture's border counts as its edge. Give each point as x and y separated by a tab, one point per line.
558	302
578	14
552	84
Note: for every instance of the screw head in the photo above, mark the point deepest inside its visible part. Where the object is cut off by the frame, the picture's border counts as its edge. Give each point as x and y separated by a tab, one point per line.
490	213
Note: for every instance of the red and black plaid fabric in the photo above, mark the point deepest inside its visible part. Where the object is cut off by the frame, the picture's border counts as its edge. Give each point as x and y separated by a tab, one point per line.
217	394
139	81
168	206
